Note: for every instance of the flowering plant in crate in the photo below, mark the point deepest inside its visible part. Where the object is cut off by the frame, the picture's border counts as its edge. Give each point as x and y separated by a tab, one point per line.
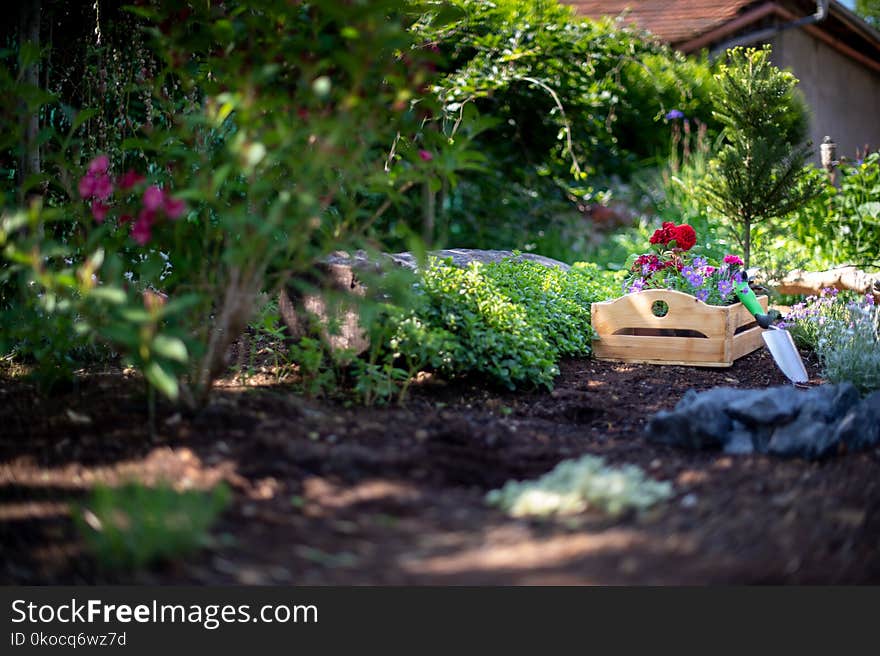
675	264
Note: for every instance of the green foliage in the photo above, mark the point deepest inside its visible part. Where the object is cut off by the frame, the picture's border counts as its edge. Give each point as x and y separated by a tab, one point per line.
561	104
271	121
55	306
854	219
316	369
134	526
509	321
869	10
841	226
759	173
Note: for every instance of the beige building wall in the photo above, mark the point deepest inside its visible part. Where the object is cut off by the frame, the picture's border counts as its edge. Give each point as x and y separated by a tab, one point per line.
843	95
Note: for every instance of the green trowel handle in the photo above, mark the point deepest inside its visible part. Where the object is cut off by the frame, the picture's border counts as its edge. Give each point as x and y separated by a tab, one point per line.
747	297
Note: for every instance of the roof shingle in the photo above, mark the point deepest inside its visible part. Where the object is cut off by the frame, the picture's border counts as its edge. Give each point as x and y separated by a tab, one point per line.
673	21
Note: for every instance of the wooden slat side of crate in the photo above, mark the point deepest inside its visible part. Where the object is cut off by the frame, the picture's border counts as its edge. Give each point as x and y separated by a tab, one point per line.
629	331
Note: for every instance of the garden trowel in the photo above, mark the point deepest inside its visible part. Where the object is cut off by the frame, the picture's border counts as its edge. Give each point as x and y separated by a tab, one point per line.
778	341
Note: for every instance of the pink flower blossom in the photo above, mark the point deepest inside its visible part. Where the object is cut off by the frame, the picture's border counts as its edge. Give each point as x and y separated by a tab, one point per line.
129	179
425	155
99	165
154	197
174	207
141	230
103	186
733	259
86	186
99	211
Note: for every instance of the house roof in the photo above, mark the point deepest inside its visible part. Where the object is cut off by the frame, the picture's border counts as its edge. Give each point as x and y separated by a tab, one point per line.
673	21
691	25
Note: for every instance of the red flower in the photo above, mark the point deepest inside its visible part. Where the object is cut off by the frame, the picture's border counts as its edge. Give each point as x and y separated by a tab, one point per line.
425	155
663	235
685	236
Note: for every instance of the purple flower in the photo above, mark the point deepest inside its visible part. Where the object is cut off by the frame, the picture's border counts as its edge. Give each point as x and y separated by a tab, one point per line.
703	294
637	285
674	114
693	278
869	299
725	288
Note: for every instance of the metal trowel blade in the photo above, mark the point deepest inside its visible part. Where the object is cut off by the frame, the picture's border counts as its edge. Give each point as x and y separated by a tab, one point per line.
785	354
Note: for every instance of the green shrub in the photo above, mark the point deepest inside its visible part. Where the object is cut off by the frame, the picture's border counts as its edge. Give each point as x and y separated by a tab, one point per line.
134	526
562	104
510	321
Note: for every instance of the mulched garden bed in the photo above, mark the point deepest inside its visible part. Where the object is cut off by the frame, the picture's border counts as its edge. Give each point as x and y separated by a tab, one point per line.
327	494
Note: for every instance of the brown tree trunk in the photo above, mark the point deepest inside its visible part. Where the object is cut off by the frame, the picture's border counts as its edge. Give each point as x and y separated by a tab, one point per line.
29	32
812	282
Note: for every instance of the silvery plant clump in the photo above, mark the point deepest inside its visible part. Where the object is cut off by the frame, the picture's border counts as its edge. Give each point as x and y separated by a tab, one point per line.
849	346
574	486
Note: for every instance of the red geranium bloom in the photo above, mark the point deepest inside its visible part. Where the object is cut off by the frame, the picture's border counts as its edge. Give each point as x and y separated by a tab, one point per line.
685	236
663	235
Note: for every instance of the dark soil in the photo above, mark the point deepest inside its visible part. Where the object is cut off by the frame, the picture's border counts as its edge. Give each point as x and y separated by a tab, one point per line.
327	494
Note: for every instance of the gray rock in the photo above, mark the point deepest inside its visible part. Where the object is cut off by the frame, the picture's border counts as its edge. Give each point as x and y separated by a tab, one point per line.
698	420
739	443
462	257
771	406
831	402
807	437
781	421
860	427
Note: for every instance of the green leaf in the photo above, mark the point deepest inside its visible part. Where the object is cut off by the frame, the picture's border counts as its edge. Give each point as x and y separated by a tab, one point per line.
161	380
171	348
112	295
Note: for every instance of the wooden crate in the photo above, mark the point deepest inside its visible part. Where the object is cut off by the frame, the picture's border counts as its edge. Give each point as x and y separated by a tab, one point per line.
691	332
